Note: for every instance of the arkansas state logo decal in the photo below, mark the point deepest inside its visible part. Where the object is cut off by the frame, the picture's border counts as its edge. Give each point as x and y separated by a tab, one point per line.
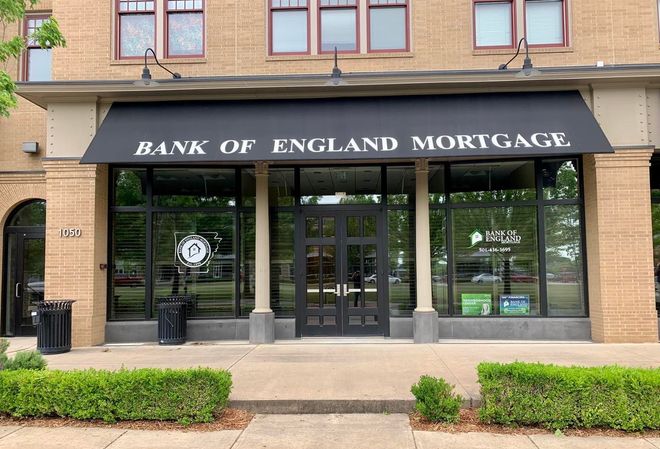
193	252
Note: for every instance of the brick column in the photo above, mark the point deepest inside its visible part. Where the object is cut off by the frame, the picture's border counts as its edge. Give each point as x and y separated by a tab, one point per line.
620	247
77	197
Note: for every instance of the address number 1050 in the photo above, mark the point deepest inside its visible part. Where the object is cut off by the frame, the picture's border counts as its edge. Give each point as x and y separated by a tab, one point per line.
70	232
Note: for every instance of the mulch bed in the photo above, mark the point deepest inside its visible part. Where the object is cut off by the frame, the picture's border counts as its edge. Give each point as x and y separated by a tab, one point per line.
469	422
230	419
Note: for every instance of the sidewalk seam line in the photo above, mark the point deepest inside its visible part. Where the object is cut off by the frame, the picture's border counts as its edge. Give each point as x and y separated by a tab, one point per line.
650	442
12	432
241	358
413	435
529	437
455	376
118	437
239	436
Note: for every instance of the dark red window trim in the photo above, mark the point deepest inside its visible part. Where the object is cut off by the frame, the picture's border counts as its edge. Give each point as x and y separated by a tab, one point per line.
564	42
514	36
355	7
26	54
272	8
118	28
407	19
168	12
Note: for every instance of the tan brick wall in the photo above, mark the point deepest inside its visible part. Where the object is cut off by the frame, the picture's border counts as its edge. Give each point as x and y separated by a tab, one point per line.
613	32
77	197
620	247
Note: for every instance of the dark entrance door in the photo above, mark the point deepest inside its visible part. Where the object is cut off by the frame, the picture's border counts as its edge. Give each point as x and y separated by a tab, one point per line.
25	279
342	280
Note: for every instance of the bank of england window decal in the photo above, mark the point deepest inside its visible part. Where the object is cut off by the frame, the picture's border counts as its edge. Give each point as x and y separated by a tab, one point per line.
194	252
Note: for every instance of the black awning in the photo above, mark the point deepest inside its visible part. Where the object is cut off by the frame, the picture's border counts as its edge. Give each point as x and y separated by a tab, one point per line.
340	129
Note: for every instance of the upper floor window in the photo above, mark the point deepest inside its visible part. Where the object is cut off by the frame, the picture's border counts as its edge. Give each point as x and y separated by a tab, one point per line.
339	25
137	27
38	61
545	22
351	26
388	25
542	22
185	28
289	26
138	21
494	23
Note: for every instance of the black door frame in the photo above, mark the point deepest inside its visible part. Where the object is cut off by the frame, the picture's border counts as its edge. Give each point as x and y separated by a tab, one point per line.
22	234
341	241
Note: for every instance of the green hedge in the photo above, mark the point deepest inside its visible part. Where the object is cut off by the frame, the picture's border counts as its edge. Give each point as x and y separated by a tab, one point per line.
188	395
560	397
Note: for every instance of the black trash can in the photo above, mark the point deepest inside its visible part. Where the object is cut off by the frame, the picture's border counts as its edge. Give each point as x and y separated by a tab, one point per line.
53	320
172	320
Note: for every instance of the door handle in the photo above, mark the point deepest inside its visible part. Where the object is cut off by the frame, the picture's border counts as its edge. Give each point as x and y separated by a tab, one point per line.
338	291
346	289
17	287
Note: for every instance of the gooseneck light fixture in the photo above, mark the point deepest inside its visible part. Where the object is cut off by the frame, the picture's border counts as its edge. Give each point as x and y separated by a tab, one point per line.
145	79
335	76
527	68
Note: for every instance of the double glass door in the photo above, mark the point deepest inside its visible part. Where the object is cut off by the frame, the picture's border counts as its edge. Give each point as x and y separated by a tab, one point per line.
24	288
342	286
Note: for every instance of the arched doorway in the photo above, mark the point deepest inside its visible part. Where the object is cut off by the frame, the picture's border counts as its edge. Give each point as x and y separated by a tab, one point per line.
24	262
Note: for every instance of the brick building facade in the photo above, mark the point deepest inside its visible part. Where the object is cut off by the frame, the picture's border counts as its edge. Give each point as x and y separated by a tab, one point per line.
610	54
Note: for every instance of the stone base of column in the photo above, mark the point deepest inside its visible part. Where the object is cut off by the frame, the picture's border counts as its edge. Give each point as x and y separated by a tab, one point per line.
425	327
262	328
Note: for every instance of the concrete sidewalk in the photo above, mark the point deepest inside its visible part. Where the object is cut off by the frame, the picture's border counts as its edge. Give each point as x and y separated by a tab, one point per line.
347	376
304	431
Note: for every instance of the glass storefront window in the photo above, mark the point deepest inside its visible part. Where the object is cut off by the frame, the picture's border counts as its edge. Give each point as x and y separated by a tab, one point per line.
400	185
560	179
437	194
439	287
282	267
32	214
563	260
247	258
495	265
128	294
194	187
248	188
492	182
401	261
213	290
655	213
130	187
340	185
281	187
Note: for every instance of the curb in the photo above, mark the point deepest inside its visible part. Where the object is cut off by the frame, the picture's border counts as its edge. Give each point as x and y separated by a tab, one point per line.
340	406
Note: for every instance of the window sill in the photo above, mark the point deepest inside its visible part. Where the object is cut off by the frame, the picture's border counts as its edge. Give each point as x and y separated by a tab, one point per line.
140	61
331	56
512	51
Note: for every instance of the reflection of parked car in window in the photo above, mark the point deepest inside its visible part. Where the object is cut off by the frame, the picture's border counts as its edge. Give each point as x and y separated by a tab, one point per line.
519	277
567	276
486	278
130	280
439	279
392	279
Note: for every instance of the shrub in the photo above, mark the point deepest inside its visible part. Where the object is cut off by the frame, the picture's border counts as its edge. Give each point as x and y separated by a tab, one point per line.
189	395
22	360
559	397
435	400
26	360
